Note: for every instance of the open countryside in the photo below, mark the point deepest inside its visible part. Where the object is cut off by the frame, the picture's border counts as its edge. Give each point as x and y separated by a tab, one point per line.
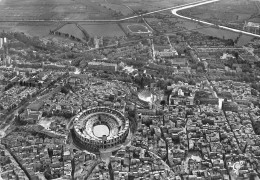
211	31
231	13
149	5
66	10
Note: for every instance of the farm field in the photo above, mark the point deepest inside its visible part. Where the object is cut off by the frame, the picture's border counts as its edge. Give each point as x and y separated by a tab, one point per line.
150	5
32	29
228	12
48	9
210	31
40	31
118	8
72	29
103	29
52	9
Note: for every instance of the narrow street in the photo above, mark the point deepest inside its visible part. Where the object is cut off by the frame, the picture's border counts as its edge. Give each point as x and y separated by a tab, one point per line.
232	131
166	159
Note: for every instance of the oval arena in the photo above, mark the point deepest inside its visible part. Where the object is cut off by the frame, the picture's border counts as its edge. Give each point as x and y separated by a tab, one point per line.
113	119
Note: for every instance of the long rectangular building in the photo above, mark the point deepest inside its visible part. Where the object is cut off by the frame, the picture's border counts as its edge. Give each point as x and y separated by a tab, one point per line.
102	66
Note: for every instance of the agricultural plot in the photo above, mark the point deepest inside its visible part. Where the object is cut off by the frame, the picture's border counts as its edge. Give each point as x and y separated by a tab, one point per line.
149	5
103	29
52	9
73	30
41	30
228	12
118	8
48	9
7	26
32	29
210	31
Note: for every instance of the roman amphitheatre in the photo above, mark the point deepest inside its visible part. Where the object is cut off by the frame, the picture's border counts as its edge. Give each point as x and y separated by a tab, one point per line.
99	128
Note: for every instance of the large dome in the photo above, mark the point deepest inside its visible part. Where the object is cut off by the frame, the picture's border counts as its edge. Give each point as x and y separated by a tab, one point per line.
146	96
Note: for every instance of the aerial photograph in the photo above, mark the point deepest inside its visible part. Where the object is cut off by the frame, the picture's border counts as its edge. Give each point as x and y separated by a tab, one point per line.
129	89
